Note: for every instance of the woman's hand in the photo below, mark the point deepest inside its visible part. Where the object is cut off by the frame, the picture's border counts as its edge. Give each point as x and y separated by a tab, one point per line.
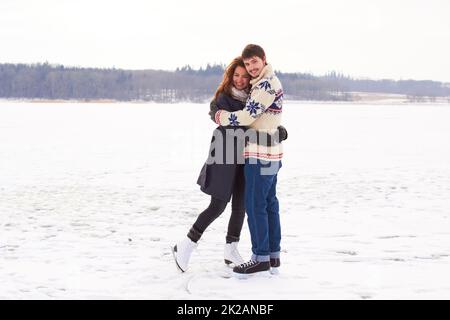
213	108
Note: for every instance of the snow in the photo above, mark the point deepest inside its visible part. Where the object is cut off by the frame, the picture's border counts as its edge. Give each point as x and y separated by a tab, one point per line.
93	195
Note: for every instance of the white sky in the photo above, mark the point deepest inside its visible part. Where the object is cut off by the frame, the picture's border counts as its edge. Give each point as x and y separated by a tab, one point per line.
398	39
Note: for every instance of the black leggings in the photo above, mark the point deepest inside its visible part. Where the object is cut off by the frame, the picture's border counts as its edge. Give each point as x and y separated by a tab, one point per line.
215	209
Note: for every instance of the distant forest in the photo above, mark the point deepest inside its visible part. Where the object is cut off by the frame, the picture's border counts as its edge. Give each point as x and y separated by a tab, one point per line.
47	81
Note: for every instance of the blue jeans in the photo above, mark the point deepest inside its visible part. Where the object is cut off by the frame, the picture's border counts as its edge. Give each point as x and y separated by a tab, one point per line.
262	208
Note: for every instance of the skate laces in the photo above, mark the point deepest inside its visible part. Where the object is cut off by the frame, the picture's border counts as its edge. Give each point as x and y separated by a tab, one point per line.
249	263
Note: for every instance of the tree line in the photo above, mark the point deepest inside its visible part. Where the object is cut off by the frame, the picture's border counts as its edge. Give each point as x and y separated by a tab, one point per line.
47	81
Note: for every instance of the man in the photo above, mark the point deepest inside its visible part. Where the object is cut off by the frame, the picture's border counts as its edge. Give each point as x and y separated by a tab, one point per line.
262	113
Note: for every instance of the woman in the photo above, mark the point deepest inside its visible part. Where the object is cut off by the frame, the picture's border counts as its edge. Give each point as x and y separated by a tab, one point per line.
220	179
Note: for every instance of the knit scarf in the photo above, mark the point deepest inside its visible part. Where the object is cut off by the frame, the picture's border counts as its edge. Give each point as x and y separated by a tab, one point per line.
240	95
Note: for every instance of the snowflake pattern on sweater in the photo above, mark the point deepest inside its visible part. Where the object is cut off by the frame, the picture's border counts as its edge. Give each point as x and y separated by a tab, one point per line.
262	113
253	107
266	94
265	85
233	120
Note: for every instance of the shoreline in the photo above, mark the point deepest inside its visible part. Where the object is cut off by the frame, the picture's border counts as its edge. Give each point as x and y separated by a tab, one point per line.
361	100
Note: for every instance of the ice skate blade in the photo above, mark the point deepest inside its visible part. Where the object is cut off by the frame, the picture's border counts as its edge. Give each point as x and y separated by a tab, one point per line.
274	271
231	264
174	253
261	274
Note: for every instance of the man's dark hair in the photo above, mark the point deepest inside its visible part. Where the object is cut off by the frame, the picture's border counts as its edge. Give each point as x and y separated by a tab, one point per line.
252	50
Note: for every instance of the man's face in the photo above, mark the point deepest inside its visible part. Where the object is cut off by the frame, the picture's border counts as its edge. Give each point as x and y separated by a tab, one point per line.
254	65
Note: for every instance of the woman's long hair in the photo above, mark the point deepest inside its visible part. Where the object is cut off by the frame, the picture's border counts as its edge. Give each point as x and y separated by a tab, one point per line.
227	81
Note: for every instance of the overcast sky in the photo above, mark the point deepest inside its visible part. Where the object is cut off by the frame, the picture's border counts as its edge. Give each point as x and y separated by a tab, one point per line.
396	39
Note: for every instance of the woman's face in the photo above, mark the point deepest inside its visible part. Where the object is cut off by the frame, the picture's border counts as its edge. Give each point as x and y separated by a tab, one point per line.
240	78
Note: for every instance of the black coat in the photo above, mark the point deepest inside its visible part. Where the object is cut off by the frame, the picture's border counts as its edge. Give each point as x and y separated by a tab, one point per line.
217	179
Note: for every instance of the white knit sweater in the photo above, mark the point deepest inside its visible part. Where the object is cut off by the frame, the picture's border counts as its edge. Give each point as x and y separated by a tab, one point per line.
262	113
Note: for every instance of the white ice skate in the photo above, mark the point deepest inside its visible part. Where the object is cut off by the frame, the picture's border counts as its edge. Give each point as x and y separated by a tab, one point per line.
182	253
231	254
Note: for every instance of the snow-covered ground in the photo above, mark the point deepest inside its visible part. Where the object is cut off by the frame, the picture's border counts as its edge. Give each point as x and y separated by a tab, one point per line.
93	195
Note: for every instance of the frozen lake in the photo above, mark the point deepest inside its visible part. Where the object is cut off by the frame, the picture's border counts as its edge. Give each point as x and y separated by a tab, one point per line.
93	195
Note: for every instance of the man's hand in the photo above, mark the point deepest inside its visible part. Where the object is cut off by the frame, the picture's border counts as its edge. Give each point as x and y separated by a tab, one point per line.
268	140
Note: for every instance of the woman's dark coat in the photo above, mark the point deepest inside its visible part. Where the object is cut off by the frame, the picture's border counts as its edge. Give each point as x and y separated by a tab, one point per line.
217	179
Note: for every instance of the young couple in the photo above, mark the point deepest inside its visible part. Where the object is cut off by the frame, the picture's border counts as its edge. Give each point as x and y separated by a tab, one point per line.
243	164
